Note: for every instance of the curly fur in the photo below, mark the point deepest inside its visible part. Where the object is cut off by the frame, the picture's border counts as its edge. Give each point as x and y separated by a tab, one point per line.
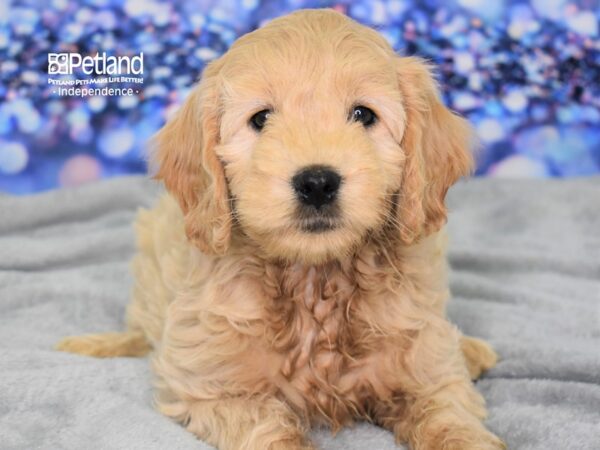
261	330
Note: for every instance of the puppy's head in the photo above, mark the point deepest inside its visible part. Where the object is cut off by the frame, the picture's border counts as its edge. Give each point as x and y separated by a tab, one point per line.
310	136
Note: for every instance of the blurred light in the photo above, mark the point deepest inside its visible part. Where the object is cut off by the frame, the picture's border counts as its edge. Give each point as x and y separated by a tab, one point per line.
162	72
522	22
54	107
23	20
551	9
82	134
8	67
536	140
5	119
397	7
78	170
584	23
60	4
540	113
206	54
84	15
4	36
135	8
27	117
78	117
97	103
197	20
30	77
487	9
518	166
490	130
515	101
463	62
475	81
156	90
378	12
457	25
464	101
4	10
13	157
127	102
72	32
115	143
159	13
106	19
249	4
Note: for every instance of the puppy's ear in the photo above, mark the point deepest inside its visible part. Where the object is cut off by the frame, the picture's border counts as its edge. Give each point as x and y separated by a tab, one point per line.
437	144
184	151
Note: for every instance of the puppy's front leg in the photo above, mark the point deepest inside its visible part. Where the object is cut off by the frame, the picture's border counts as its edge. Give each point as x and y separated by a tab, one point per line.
448	417
438	407
242	423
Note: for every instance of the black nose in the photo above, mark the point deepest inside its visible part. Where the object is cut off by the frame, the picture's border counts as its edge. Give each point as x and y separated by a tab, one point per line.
316	185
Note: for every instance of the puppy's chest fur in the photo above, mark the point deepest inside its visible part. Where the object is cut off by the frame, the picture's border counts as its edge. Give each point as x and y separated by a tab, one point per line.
321	364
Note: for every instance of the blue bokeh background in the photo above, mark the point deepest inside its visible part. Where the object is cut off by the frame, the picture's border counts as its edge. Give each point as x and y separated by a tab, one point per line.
525	72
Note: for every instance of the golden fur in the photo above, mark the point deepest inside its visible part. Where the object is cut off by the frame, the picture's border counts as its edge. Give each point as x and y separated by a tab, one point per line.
260	329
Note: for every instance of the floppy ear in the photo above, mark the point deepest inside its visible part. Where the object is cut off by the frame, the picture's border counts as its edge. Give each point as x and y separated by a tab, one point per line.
437	144
189	167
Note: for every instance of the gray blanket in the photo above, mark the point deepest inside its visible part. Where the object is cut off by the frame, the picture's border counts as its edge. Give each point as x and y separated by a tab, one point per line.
526	276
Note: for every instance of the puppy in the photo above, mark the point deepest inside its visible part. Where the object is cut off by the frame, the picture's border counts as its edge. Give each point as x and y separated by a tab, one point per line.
295	272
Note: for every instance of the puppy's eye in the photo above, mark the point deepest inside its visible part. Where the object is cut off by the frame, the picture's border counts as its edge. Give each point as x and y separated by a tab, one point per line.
259	120
364	115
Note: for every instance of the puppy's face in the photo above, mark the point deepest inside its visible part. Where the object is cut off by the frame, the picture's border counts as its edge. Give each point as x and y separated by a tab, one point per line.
309	142
312	131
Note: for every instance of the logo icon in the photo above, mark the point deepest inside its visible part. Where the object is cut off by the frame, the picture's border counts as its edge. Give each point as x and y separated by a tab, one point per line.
58	64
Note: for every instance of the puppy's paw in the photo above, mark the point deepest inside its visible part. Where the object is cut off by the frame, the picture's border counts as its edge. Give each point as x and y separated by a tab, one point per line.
479	356
464	439
291	445
106	345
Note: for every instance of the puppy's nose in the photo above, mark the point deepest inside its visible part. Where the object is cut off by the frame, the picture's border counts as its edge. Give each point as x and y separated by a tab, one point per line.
316	185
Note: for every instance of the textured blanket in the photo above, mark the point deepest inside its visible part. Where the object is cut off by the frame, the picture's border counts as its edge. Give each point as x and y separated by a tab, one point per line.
525	259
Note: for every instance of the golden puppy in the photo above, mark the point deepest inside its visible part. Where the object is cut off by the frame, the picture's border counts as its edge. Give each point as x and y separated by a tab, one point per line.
295	274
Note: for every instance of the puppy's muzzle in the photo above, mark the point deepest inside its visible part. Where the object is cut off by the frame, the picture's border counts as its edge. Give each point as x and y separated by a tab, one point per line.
316	186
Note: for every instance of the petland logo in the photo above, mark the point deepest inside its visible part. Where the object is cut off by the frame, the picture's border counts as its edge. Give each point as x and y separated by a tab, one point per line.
105	70
100	64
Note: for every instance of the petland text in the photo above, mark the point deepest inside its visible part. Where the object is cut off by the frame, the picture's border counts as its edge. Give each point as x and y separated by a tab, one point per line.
99	64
